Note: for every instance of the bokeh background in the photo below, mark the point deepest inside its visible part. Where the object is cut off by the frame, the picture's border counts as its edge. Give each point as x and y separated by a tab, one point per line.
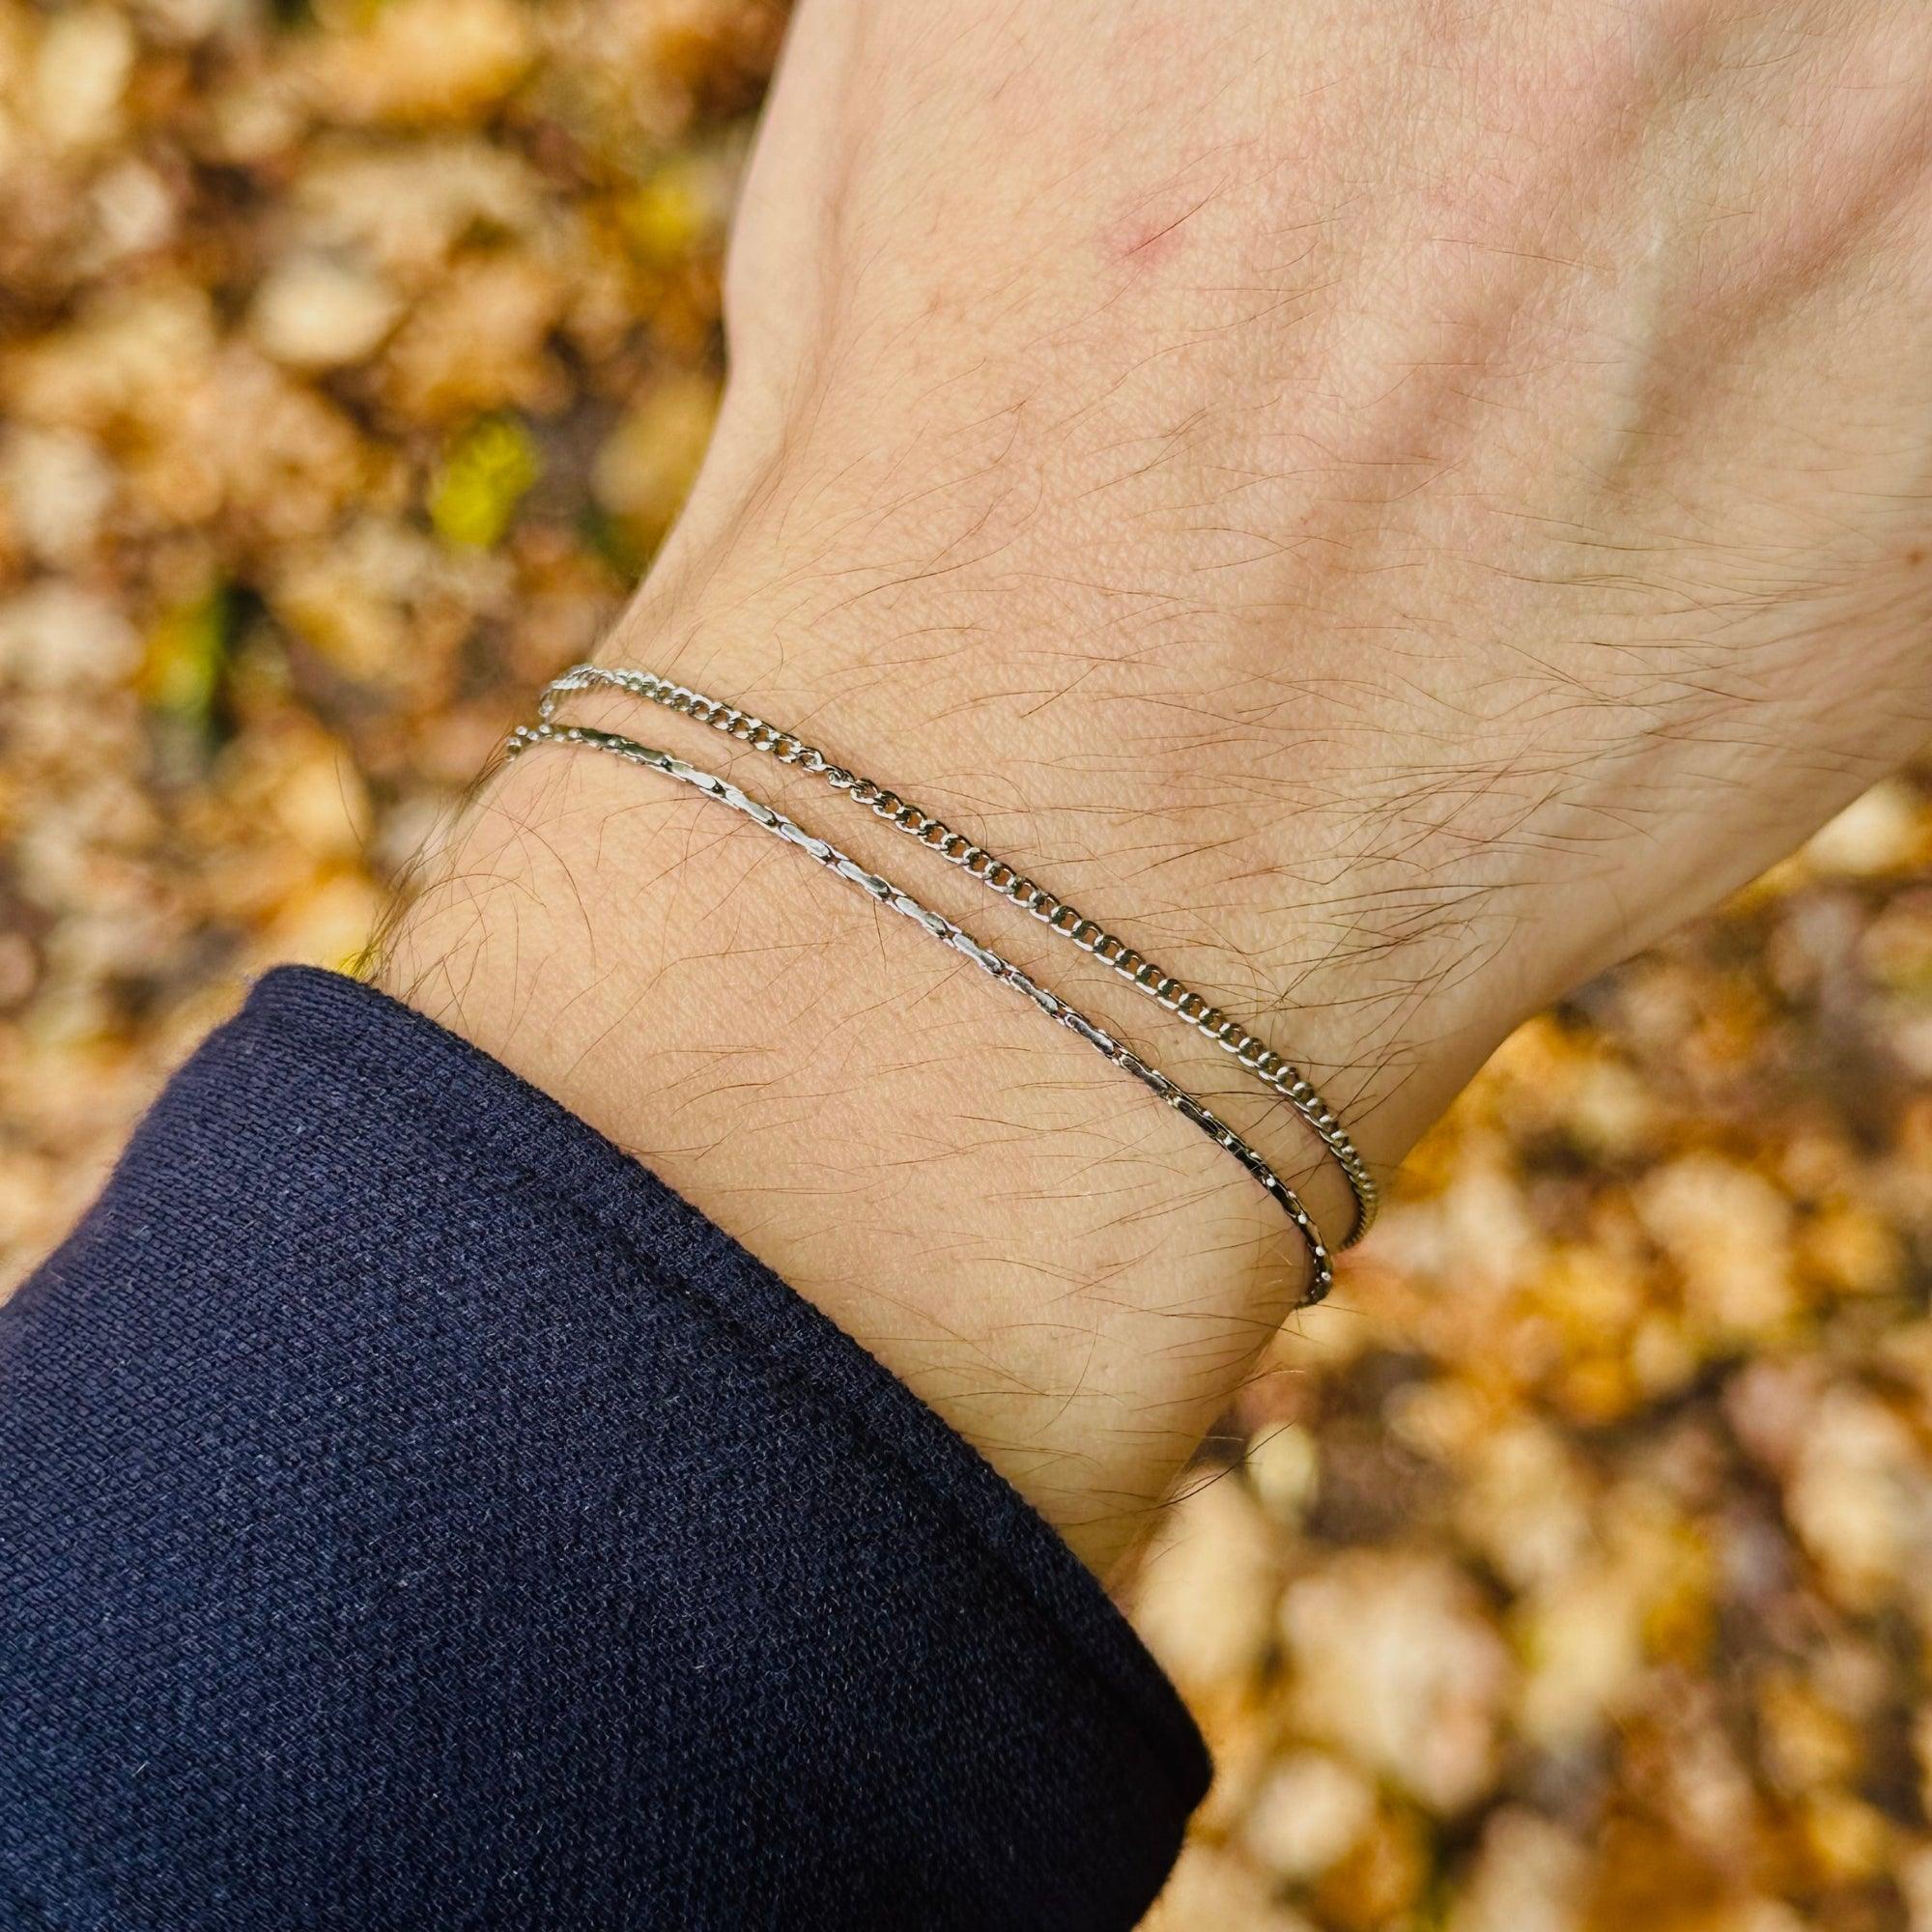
1571	1573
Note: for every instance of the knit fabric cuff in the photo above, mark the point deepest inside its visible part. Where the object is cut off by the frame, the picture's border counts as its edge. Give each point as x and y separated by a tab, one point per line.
413	1513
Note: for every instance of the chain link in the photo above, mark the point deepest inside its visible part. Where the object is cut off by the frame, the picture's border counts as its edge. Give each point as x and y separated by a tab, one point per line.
1009	883
1321	1274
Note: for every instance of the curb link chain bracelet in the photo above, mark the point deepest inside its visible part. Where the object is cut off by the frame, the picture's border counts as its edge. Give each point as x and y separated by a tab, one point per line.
1321	1274
1009	883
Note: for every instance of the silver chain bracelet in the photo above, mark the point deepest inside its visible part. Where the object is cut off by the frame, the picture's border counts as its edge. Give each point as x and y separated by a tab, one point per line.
1009	883
1322	1269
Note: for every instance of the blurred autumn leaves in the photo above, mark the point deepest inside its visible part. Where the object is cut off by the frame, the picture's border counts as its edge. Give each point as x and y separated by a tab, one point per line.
1575	1574
1572	1573
353	360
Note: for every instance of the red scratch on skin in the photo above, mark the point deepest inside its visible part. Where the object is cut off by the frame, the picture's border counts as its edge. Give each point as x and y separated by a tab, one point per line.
1143	241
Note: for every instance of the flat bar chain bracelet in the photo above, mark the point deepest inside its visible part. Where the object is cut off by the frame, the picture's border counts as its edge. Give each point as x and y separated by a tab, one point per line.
1009	883
1322	1275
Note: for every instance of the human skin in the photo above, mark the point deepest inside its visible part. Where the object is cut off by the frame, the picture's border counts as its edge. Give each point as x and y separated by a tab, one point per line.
1388	506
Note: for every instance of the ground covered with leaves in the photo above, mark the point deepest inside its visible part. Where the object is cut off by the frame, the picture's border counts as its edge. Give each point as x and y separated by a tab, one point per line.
1571	1573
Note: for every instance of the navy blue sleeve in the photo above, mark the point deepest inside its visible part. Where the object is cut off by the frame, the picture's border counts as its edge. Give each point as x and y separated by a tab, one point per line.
412	1515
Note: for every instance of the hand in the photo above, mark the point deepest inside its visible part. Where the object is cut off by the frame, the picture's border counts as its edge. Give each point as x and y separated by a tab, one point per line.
1390	508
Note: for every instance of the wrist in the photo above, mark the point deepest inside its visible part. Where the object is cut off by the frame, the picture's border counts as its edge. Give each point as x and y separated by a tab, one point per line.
1228	821
1069	1272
